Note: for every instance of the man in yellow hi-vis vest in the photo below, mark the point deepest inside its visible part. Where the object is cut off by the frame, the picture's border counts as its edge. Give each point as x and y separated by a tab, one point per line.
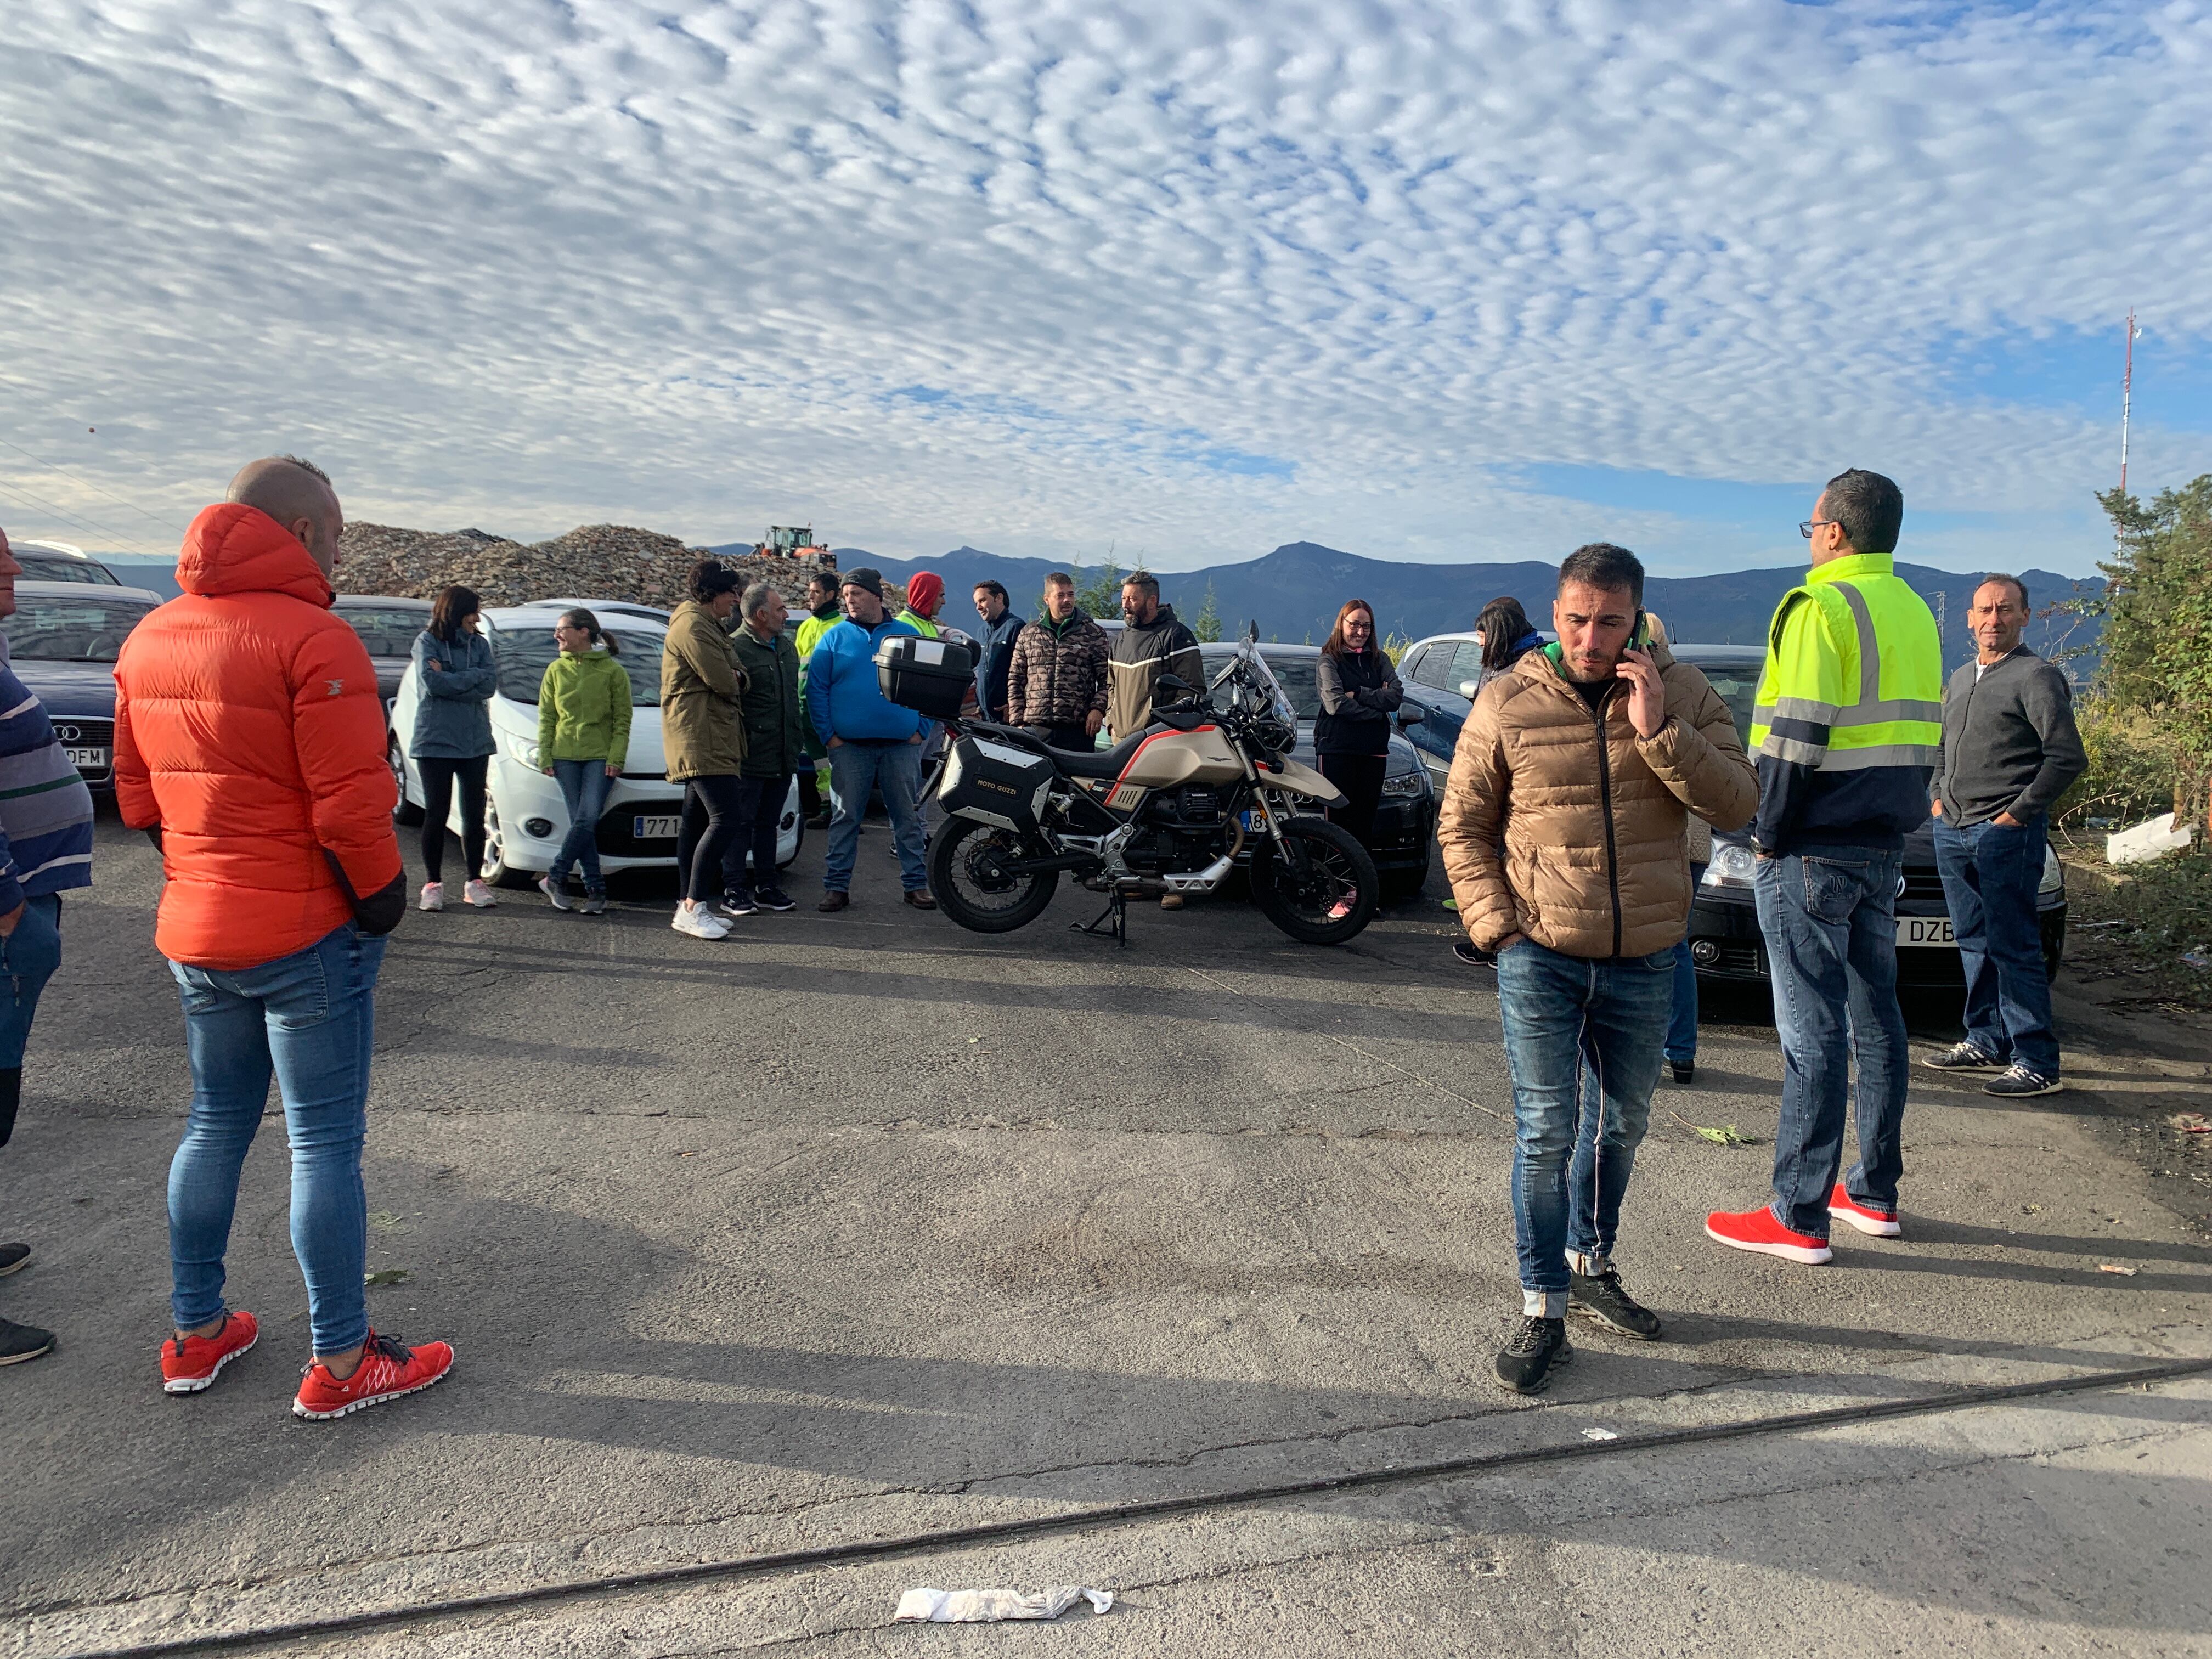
1845	731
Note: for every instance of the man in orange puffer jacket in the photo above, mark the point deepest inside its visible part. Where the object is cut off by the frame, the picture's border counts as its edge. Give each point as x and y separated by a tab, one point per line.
249	744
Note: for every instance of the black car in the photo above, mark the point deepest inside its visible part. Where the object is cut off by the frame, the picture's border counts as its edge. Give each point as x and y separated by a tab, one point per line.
63	643
1724	937
388	627
1404	824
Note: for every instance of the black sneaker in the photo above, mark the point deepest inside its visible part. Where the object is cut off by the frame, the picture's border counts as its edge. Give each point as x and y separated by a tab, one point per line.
736	904
1601	1298
774	898
22	1342
13	1256
1537	1346
1466	951
2018	1083
1686	1071
1963	1057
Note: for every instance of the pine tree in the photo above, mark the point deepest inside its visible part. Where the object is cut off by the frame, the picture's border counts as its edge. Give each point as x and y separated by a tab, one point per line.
1208	625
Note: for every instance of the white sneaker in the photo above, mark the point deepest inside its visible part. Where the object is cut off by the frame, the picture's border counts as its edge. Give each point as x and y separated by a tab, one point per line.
480	895
434	897
700	922
554	896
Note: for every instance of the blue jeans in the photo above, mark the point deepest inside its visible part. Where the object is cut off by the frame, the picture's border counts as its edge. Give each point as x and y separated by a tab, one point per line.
583	789
1990	874
895	768
29	957
1582	1043
309	1019
1830	920
1683	1024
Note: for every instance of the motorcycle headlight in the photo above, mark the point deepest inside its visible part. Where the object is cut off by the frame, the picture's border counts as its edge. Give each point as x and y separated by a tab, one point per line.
1415	782
1732	865
521	751
2053	884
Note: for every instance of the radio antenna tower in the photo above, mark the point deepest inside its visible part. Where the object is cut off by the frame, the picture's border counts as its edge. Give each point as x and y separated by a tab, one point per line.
2127	395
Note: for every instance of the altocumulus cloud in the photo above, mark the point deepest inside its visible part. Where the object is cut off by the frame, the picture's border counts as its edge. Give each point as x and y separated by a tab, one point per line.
1037	273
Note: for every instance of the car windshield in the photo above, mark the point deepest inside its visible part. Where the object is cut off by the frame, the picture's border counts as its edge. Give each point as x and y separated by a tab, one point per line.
1737	683
523	655
1293	672
388	630
47	627
52	568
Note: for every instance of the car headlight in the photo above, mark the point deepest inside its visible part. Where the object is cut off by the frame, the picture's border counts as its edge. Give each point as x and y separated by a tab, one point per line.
521	751
2053	884
1732	865
1415	782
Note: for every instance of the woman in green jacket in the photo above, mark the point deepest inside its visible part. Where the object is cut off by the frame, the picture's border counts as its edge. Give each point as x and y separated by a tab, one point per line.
703	734
583	737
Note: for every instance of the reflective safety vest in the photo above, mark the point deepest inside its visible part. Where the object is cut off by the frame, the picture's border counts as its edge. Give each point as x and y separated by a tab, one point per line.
919	623
1849	717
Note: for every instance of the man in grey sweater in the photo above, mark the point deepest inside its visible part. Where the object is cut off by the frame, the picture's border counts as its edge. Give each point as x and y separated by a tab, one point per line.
2010	751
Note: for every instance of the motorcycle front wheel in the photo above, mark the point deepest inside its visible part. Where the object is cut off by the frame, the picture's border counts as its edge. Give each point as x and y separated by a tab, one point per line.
967	874
1332	898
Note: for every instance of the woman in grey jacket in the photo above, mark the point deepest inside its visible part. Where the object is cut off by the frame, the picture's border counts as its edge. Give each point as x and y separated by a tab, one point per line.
451	743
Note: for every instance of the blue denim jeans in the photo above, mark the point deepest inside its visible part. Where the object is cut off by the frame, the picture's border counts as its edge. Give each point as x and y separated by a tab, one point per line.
1990	874
583	790
1683	1024
1830	921
896	769
29	957
309	1019
1583	1044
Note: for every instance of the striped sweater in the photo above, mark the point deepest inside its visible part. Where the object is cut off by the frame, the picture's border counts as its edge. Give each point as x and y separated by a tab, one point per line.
46	810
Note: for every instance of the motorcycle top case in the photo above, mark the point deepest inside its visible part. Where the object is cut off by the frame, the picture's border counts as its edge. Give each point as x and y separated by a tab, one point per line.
995	782
927	676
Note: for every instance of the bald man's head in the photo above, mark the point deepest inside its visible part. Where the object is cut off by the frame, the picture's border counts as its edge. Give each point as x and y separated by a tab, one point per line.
298	494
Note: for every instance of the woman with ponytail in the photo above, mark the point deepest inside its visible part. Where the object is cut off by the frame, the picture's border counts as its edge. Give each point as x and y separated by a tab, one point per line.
583	738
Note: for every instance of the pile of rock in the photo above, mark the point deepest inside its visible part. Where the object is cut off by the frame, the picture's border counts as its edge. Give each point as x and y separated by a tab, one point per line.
593	562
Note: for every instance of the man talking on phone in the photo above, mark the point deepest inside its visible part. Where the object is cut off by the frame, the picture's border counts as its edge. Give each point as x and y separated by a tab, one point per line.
1563	834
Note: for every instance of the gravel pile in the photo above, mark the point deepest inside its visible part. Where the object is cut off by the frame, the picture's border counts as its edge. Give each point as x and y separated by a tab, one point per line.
592	562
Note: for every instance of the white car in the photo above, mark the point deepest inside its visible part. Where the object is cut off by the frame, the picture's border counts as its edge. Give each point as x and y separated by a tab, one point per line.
525	818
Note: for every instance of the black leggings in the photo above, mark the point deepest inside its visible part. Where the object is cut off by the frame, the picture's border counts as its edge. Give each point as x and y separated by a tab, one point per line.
1360	777
711	811
439	779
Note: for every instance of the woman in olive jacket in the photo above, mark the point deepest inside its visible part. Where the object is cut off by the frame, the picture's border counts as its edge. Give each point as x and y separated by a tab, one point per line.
702	731
583	740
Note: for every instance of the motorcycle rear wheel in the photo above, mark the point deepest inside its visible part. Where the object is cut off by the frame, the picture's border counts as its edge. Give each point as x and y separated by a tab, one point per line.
963	858
1338	870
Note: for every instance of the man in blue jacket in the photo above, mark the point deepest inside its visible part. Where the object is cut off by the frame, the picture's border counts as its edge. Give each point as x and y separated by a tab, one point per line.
1000	627
872	742
45	847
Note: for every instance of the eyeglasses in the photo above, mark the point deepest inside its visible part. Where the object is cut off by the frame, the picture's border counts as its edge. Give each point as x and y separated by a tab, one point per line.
1809	525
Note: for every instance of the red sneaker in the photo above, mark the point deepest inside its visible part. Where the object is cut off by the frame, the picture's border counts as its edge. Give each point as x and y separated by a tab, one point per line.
1757	1230
388	1368
1845	1207
189	1363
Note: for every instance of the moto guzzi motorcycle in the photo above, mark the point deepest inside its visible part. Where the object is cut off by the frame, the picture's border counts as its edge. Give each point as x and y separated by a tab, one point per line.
1167	810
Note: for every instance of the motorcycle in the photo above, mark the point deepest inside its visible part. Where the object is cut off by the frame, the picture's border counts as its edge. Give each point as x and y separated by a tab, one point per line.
1166	810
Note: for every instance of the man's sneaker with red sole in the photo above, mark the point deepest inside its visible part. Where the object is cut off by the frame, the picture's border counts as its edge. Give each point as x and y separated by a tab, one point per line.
190	1363
1875	1224
388	1368
1756	1230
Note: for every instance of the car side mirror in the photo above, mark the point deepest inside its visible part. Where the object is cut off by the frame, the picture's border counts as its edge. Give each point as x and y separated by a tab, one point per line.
1468	688
1412	714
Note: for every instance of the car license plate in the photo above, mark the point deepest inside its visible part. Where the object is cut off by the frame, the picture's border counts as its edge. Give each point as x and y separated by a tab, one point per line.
92	759
1925	930
657	829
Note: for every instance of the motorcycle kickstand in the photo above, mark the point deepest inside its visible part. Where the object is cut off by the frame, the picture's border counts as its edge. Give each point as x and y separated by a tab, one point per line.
1112	923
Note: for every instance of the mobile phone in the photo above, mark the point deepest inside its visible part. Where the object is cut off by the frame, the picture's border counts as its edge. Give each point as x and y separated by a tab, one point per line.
1639	638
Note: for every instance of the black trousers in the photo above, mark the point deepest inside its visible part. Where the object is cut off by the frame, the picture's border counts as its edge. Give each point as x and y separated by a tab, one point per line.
710	818
810	793
1360	777
440	779
760	810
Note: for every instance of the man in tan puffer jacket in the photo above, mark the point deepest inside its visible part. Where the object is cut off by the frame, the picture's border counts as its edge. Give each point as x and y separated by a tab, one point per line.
1563	834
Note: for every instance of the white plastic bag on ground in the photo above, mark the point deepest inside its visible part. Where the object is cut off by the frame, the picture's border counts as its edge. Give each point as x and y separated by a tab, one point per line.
984	1607
2153	838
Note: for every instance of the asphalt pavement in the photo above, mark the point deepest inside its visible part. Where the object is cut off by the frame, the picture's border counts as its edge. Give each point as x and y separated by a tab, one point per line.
860	1228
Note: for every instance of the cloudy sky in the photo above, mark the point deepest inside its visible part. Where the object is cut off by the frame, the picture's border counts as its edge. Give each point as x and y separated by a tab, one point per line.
1431	282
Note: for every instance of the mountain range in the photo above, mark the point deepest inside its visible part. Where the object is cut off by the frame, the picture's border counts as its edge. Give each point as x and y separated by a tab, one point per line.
1293	594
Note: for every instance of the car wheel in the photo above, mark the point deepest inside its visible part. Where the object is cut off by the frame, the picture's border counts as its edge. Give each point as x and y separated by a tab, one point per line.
798	840
406	811
496	872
